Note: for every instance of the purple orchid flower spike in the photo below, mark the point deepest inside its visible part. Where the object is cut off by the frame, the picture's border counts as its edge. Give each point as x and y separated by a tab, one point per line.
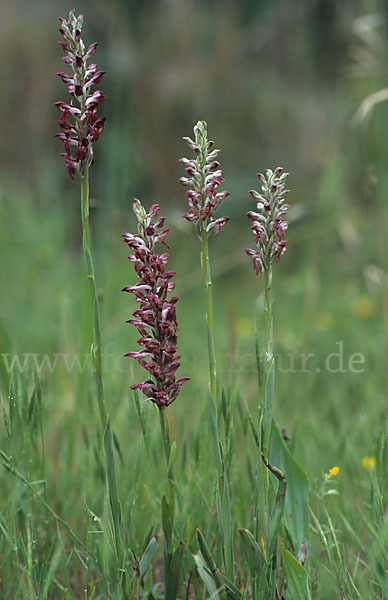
203	179
80	125
156	317
268	226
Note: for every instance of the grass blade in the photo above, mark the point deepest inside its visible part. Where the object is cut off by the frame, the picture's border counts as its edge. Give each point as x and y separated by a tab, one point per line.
173	573
297	578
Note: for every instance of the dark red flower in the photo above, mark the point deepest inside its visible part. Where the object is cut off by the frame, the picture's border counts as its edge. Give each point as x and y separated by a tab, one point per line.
156	317
80	125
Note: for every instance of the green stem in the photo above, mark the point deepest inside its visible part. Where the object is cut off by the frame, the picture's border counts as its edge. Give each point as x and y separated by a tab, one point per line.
168	504
165	429
209	312
267	398
97	368
166	436
223	505
96	349
269	377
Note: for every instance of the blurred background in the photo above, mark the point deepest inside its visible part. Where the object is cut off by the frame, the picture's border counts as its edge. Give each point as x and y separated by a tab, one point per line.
279	83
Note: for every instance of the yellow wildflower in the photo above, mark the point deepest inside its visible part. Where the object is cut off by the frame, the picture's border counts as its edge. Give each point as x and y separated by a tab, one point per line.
363	307
243	327
333	471
324	320
369	462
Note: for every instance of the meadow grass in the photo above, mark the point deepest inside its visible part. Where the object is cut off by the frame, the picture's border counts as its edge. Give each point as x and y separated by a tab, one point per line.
55	519
331	418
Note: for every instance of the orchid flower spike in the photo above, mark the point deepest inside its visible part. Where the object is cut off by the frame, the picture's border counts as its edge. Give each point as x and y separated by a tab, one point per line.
268	226
203	177
155	318
80	125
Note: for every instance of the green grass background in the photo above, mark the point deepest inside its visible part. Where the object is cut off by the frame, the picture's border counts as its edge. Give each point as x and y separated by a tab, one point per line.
278	83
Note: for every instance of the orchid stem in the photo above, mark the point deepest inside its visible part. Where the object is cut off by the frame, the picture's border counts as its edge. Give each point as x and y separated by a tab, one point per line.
97	368
268	362
168	504
209	313
96	348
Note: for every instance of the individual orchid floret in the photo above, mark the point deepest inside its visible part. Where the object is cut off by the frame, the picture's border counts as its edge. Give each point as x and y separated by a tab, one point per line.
79	123
203	179
268	225
155	318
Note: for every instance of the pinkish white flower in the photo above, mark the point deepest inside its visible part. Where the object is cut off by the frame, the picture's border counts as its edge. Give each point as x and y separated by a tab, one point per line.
268	226
80	125
203	177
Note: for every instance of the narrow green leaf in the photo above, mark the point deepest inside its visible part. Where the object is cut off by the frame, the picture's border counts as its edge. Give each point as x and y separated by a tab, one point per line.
135	586
232	590
228	530
206	577
255	432
352	532
220	521
257	563
276	518
50	575
171	462
297	578
205	551
269	385
5	533
212	413
147	586
147	557
167	525
173	575
142	416
147	538
253	551
118	448
113	494
296	508
259	362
